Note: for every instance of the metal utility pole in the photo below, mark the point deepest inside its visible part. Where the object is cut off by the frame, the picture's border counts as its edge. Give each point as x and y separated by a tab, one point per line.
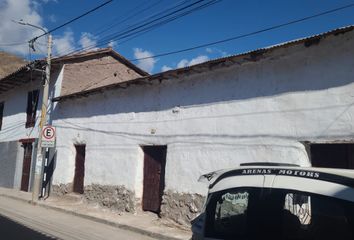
41	151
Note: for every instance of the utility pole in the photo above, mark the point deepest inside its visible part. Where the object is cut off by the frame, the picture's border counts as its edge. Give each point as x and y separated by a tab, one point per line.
44	119
41	151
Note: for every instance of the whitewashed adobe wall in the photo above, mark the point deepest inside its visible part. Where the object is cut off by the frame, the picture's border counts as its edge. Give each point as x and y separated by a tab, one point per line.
258	111
13	128
15	105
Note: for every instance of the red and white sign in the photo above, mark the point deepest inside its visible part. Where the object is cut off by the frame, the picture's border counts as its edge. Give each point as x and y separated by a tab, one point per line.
48	136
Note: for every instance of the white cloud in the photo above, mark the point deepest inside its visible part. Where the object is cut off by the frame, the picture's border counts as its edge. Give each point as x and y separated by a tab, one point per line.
88	41
182	63
145	64
217	51
64	44
165	68
197	60
222	53
52	18
11	32
47	1
209	50
112	44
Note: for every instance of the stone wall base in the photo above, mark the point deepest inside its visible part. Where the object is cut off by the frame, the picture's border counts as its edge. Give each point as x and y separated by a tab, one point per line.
116	198
181	207
61	189
178	207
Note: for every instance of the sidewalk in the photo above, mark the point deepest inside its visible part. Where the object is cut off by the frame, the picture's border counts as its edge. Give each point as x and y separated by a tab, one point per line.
143	222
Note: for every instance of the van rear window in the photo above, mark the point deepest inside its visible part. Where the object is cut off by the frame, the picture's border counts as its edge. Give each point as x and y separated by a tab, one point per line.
258	213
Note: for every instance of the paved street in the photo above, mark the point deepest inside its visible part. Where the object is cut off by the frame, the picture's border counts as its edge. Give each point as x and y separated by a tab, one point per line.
13	230
57	224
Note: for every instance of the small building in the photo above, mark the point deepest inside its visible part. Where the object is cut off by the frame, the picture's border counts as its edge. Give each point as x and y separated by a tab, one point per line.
143	143
20	101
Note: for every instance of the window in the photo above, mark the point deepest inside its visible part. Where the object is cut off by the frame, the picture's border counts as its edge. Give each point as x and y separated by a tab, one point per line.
300	206
32	104
310	216
1	113
264	213
231	209
228	216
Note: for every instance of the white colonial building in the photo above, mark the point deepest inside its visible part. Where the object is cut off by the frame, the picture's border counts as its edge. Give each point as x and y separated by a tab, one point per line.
144	143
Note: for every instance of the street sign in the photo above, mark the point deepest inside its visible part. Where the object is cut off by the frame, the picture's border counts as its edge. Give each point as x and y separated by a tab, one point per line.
48	136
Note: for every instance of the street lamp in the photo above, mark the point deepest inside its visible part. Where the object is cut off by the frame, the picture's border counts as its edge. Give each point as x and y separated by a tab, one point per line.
43	122
31	42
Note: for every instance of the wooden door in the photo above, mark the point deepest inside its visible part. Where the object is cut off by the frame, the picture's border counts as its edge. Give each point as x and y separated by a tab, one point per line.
334	155
79	169
26	167
154	177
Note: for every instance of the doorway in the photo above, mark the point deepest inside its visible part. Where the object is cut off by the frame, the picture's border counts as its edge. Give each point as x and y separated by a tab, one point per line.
154	177
336	155
26	166
79	169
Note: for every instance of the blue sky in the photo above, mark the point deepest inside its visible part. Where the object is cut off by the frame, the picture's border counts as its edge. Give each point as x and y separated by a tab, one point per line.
222	20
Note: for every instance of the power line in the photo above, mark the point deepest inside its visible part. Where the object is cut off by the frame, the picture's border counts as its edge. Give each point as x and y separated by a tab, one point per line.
74	19
131	33
130	16
12	44
243	35
247	34
70	51
58	27
153	23
145	30
137	25
146	19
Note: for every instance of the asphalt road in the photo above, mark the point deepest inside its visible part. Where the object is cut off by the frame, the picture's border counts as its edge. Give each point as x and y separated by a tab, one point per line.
39	221
12	230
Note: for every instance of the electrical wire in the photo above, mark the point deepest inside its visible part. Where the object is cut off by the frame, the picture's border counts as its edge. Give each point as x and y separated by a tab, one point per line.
243	35
129	33
148	26
142	23
247	34
143	31
132	15
74	19
11	44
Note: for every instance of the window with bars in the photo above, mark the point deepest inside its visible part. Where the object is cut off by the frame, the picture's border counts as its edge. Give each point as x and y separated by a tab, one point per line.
32	104
1	113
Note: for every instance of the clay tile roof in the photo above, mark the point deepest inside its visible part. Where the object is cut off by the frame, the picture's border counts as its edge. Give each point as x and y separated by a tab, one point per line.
15	73
108	51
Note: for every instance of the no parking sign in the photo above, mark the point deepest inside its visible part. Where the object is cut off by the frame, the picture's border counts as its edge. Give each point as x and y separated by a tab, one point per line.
48	136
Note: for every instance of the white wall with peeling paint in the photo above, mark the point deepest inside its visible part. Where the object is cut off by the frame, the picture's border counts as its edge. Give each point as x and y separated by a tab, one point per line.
250	112
15	105
14	118
13	124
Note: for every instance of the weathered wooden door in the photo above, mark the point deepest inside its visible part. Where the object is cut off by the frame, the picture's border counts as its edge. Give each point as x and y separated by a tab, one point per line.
154	177
79	169
26	167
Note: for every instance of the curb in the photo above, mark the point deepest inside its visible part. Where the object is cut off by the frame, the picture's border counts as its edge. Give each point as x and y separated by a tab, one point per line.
96	219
